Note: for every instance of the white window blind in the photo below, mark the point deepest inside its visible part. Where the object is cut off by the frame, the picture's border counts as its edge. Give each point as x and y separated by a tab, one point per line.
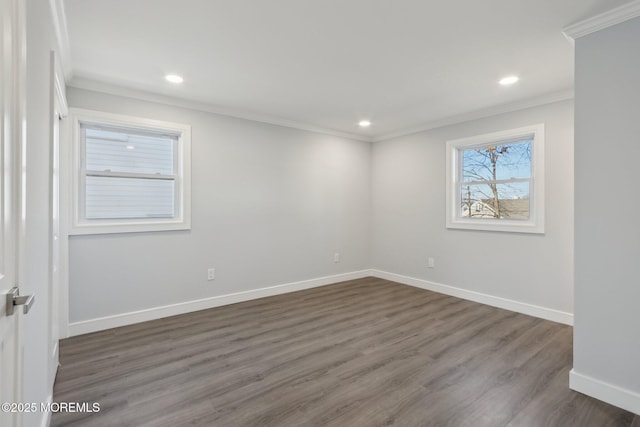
128	173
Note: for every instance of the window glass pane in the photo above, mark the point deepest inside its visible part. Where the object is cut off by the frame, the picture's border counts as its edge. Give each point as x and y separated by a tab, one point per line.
121	150
119	198
506	201
497	162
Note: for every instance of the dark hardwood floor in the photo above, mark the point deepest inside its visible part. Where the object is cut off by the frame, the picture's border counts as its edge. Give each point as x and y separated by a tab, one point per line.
367	352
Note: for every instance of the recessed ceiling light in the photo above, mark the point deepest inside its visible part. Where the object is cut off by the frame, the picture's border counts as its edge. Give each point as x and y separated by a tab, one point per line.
174	78
130	147
509	80
364	123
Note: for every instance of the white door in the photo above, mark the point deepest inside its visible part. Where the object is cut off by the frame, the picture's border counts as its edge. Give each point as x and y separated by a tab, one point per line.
11	120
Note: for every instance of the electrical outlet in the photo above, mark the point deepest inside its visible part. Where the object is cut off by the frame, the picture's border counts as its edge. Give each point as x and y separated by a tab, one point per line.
211	274
336	257
431	262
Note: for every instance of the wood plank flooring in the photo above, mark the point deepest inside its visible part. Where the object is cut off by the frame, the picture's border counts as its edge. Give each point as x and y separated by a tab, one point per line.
367	352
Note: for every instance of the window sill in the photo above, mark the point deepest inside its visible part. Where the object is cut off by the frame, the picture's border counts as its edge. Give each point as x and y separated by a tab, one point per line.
497	225
105	227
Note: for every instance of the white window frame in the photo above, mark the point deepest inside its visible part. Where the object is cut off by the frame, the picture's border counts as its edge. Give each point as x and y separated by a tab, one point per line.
182	194
535	223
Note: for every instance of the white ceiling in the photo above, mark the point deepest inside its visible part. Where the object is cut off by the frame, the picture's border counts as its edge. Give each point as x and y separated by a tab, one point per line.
329	63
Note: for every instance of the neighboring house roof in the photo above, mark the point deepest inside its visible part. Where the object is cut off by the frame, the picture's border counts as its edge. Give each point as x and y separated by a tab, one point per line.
513	208
509	208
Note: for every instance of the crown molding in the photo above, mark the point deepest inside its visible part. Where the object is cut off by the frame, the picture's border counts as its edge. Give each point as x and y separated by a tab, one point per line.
604	20
59	18
111	89
480	114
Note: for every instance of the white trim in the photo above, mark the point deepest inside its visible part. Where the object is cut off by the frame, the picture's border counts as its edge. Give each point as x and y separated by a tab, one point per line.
551	98
535	223
55	354
58	105
604	20
110	89
117	320
59	85
79	225
46	416
108	322
618	396
59	19
65	193
507	304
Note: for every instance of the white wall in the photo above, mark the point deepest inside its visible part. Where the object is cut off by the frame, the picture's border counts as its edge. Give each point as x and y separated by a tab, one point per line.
35	263
270	206
409	219
607	241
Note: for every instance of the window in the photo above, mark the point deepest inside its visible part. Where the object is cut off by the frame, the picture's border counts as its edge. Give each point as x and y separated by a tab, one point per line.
496	181
132	174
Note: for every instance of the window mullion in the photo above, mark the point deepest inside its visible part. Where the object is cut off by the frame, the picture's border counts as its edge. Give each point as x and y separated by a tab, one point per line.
497	181
110	174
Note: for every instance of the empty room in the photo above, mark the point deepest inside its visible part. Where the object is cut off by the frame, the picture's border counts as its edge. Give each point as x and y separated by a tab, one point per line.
319	213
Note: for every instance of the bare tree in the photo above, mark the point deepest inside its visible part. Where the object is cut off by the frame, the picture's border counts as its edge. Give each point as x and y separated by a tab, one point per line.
483	165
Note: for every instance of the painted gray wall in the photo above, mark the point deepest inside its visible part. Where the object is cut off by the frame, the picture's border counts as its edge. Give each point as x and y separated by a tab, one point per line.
607	232
409	216
270	205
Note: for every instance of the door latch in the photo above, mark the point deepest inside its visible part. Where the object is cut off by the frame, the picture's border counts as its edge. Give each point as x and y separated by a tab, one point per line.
14	298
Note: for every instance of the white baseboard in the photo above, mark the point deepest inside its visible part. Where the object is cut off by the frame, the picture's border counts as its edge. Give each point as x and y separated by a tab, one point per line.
46	416
617	396
508	304
55	358
108	322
